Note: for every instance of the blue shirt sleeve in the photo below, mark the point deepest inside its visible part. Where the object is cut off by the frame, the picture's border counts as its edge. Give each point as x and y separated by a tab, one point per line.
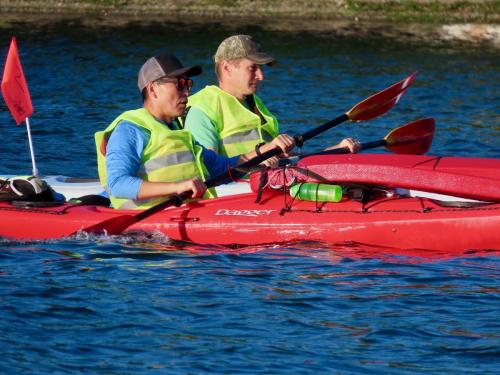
202	129
123	159
217	164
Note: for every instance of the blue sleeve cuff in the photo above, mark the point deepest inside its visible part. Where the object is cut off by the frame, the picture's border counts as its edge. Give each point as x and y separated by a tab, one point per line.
218	164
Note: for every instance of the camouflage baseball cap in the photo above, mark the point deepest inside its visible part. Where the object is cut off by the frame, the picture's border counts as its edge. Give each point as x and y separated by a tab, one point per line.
241	46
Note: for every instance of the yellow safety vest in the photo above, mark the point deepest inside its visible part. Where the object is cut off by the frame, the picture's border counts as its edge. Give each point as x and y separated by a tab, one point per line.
239	128
169	156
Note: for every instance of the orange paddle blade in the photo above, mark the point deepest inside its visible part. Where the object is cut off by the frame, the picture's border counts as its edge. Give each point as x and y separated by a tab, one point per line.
414	138
380	102
112	226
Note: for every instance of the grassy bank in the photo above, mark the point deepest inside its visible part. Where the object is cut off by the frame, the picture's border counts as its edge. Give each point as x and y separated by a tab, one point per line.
473	20
427	11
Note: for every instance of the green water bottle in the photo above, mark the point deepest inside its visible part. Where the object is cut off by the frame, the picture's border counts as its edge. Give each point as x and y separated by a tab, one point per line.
310	191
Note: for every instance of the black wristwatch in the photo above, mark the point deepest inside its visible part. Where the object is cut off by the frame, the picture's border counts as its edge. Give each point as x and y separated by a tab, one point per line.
257	148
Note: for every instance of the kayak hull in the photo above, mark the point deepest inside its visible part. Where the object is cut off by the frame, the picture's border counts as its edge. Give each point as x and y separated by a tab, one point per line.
401	222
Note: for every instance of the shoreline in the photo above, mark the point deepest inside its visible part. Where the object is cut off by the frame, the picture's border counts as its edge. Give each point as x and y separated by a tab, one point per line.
467	23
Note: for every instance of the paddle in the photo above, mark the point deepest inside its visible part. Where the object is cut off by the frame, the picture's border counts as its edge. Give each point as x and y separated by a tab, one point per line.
414	138
369	108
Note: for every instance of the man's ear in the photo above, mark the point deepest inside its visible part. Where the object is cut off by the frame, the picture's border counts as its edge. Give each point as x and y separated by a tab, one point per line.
227	67
151	90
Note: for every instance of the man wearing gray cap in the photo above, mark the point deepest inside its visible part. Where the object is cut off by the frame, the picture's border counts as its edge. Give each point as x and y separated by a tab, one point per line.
144	155
230	118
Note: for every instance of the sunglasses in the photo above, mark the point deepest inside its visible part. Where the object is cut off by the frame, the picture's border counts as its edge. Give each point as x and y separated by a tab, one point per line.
180	83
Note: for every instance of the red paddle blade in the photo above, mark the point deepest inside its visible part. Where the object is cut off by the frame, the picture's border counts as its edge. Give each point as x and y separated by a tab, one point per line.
112	226
414	138
380	102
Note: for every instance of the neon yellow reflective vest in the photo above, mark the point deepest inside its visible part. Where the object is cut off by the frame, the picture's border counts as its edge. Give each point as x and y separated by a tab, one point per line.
169	156
239	128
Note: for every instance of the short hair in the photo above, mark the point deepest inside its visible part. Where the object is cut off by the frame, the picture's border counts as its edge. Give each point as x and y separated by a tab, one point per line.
144	94
217	70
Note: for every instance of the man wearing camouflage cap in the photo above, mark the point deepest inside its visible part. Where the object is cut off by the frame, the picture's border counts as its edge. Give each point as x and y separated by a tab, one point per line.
230	118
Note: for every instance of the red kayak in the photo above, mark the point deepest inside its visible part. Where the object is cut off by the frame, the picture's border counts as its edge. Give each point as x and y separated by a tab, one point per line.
371	211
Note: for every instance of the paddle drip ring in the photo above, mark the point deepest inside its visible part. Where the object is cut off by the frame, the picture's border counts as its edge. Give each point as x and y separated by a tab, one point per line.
281	178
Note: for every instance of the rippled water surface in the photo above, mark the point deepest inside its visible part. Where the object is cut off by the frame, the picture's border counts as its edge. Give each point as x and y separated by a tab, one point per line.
146	305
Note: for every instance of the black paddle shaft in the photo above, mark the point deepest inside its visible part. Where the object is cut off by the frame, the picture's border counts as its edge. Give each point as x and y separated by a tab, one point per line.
300	139
178	199
336	151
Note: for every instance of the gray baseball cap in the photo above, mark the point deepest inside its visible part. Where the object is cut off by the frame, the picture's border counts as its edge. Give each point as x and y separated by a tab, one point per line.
241	46
162	66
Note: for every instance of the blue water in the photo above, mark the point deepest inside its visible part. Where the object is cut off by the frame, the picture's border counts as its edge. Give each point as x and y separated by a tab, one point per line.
134	305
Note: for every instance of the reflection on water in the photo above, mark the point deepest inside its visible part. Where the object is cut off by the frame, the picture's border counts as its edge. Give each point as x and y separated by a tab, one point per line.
179	306
156	246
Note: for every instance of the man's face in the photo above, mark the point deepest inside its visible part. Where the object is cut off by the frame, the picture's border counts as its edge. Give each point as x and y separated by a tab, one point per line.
172	94
245	76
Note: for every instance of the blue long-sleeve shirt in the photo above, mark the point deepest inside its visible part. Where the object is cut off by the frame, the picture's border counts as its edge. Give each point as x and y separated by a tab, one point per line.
123	159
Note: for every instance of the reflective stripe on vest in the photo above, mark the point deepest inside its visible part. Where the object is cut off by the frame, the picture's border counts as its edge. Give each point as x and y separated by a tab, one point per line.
160	162
248	135
169	156
239	128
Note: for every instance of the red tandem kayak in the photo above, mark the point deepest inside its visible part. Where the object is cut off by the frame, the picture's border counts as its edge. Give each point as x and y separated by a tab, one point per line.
385	217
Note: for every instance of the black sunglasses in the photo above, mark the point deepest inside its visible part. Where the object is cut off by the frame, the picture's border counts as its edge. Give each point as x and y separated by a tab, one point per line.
180	83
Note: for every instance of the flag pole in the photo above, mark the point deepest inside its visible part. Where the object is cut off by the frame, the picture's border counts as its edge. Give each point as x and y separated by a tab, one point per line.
32	151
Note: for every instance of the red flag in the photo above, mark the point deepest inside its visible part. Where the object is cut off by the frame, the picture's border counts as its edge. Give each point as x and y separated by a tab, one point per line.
14	88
